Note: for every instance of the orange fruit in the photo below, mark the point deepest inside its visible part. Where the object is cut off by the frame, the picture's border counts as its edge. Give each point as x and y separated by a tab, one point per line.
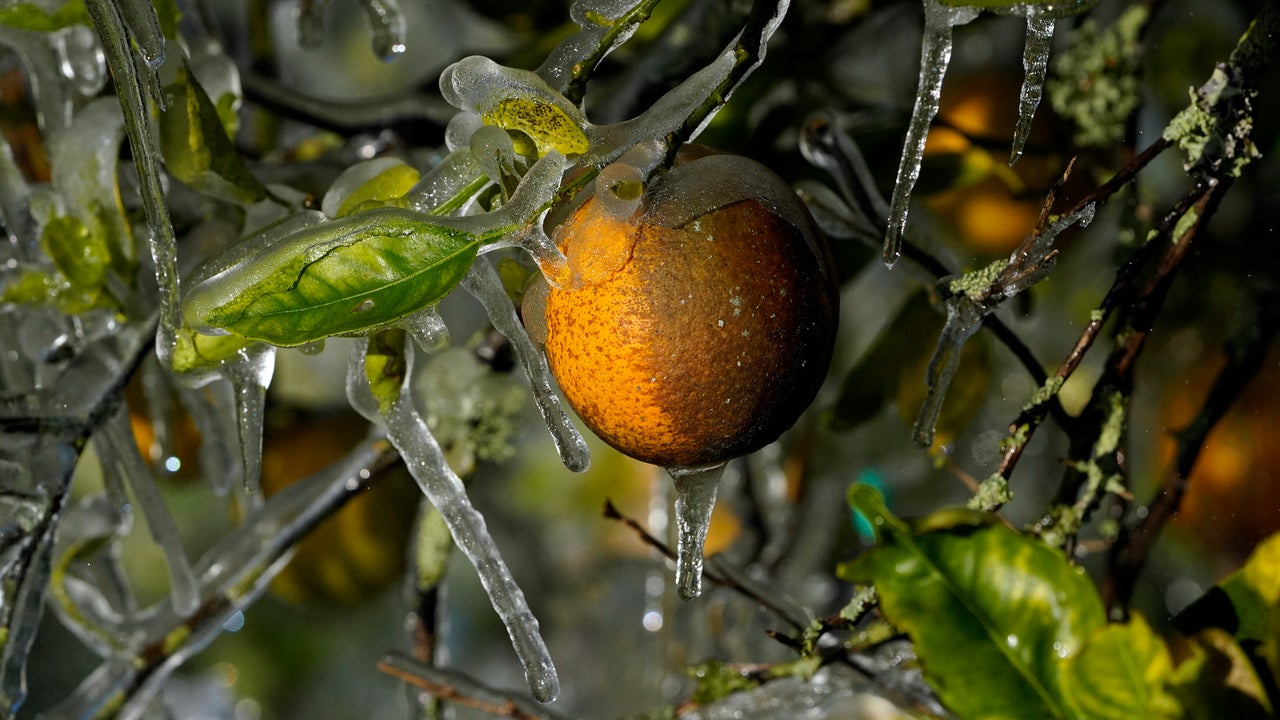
703	321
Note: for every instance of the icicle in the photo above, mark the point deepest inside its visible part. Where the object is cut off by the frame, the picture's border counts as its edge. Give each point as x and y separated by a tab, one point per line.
144	27
935	54
249	378
963	320
387	27
311	23
1035	63
428	330
426	461
119	450
483	283
695	499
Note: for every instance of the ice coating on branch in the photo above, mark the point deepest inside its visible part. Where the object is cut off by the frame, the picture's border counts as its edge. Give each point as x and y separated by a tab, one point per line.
963	320
444	489
119	455
1035	63
81	60
695	499
445	183
935	55
249	378
596	19
483	283
387	27
493	151
144	27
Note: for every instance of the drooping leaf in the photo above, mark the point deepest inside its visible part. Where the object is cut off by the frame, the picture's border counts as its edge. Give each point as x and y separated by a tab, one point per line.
993	613
1218	680
348	276
1122	673
196	147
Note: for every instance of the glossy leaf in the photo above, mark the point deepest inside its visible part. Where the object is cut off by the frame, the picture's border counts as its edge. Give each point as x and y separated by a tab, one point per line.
1122	673
993	613
348	276
196	147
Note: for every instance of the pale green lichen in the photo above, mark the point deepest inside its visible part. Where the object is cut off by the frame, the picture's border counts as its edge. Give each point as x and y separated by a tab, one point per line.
1113	426
1046	392
1095	82
1184	225
993	494
973	283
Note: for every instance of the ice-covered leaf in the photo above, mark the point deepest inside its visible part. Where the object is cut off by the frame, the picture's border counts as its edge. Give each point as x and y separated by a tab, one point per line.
986	607
79	254
293	285
31	16
346	276
516	100
387	185
195	145
194	352
385	367
1122	673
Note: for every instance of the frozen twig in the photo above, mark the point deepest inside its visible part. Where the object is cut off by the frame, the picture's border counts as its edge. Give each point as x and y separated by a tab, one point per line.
464	690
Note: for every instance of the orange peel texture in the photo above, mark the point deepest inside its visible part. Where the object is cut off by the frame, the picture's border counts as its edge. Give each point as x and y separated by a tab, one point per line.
694	344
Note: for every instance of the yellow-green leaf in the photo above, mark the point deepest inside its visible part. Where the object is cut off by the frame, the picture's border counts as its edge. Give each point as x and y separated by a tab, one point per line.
196	147
548	126
384	366
1218	680
1122	673
388	185
80	255
30	16
1242	603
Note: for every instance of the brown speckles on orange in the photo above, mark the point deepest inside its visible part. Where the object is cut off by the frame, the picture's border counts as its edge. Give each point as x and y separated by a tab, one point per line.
683	345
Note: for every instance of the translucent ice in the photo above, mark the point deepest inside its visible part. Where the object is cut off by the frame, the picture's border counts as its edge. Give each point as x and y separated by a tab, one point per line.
1035	63
483	283
695	499
387	27
935	55
963	320
426	461
81	60
428	329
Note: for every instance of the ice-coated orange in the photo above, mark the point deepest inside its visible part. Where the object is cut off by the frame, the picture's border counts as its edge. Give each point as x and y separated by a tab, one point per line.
703	323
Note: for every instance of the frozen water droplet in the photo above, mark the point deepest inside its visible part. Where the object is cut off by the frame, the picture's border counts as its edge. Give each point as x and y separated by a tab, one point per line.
695	499
935	55
483	283
387	27
1035	63
81	60
428	330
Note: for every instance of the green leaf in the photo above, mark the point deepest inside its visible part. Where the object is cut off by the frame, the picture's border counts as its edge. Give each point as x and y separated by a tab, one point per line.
196	147
993	613
1122	673
385	367
193	351
80	255
1251	595
344	277
390	184
29	16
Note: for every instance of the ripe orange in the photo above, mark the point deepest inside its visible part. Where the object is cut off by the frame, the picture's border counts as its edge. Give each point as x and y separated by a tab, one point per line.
703	322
